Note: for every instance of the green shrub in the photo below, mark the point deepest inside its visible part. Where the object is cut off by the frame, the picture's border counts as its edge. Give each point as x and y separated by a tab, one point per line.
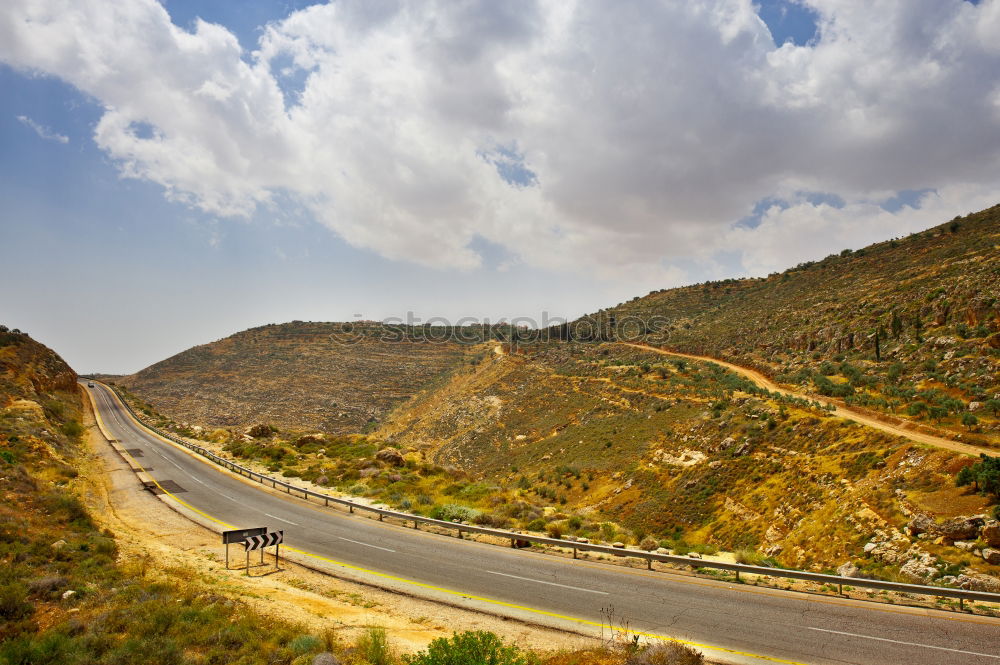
14	604
304	644
374	647
471	648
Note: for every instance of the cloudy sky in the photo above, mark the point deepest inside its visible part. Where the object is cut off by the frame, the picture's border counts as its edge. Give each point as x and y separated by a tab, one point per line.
174	172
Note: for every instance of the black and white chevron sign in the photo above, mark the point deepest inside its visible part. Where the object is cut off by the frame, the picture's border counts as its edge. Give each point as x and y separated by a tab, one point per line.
266	540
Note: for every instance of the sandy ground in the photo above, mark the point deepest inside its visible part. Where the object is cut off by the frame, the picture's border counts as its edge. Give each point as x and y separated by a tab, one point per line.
149	532
840	410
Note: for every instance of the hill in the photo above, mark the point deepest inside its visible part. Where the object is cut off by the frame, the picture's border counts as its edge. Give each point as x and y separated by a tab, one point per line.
330	377
908	328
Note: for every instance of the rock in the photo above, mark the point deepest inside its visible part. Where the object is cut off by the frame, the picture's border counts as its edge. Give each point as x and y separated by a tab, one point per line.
321	480
991	556
991	533
259	431
978	582
618	544
965	545
975	406
869	547
773	550
395	477
694	555
325	658
58	545
662	550
848	570
919	569
68	594
309	439
957	528
583	540
773	533
390	456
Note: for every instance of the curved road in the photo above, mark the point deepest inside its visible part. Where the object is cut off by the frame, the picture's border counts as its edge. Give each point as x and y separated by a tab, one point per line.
840	410
730	623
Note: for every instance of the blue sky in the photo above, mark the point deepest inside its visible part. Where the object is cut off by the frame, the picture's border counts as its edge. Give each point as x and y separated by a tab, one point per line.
114	275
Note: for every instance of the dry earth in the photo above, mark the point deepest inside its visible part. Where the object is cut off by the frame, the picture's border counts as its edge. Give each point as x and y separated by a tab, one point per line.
163	542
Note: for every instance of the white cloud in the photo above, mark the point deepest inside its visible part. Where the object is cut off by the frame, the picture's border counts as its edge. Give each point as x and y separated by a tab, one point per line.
42	131
650	127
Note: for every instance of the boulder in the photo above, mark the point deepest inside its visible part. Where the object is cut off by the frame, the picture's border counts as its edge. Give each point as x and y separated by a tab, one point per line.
991	533
321	480
991	556
390	456
325	658
68	594
618	544
259	431
957	528
919	569
978	582
975	406
848	570
869	547
58	545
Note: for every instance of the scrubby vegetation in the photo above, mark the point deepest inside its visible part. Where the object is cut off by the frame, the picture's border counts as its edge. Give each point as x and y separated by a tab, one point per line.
68	596
909	328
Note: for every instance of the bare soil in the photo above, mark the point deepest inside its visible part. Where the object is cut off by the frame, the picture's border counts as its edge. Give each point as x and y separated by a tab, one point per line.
154	538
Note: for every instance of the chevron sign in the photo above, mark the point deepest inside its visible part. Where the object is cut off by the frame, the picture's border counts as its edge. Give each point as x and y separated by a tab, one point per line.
265	540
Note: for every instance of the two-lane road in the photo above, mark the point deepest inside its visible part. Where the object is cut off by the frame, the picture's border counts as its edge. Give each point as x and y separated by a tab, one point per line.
745	624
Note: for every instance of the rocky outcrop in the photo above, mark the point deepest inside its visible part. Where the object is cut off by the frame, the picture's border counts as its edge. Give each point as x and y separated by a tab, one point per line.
991	533
958	528
920	568
978	582
390	456
991	555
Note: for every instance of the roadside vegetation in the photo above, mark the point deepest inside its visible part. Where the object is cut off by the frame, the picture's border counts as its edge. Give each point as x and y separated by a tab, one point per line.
69	596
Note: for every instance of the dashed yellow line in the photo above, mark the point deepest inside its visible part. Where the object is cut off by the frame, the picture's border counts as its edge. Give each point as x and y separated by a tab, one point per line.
452	592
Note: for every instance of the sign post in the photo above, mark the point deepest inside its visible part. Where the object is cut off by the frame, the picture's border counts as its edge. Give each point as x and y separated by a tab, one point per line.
239	536
261	541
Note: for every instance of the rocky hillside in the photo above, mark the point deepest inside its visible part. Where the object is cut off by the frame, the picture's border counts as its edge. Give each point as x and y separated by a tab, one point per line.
325	376
909	328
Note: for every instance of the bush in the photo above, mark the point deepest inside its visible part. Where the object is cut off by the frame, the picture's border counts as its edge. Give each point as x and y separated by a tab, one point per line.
649	544
374	648
471	648
665	653
14	603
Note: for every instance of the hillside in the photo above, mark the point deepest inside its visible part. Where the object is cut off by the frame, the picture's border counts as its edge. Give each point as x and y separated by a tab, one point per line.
321	376
65	597
909	328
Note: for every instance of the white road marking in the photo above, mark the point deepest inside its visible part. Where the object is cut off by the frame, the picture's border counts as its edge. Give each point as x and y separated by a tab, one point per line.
564	586
198	481
228	497
358	542
909	644
281	518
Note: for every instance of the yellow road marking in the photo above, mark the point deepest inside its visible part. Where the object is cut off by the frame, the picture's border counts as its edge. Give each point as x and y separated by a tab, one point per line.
461	594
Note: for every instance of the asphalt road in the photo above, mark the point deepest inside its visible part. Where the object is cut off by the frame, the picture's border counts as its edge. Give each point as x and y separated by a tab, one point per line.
731	623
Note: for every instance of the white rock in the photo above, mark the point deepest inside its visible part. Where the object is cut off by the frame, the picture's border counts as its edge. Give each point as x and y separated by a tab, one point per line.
68	594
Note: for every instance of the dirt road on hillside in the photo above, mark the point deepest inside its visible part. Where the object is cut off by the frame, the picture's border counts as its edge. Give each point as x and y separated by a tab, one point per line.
839	410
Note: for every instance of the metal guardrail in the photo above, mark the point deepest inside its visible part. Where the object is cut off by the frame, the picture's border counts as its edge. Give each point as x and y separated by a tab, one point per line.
577	546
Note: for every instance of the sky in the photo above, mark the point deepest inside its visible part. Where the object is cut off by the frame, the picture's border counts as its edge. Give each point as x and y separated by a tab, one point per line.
174	172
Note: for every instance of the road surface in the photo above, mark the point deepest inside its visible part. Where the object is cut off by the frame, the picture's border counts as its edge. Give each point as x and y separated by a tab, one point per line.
730	623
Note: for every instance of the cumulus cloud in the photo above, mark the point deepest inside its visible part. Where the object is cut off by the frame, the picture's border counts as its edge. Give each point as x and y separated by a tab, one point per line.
42	131
608	137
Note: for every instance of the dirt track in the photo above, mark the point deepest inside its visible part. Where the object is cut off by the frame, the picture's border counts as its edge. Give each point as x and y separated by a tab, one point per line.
839	410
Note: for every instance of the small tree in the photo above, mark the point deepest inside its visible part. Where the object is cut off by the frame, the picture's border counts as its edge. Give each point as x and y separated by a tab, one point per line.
969	421
984	475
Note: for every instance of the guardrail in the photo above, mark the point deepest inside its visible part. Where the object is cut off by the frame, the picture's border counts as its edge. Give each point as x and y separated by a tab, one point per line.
942	592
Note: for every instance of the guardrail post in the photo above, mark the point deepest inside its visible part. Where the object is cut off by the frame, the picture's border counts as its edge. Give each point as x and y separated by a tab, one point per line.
649	564
460	534
512	543
416	525
350	507
840	589
961	604
380	517
737	576
574	552
326	501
